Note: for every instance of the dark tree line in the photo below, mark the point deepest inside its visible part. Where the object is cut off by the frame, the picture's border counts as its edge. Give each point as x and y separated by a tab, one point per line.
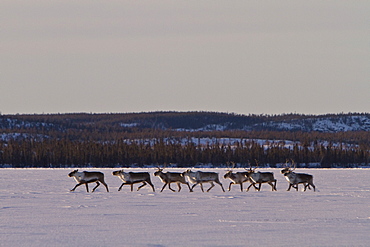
67	153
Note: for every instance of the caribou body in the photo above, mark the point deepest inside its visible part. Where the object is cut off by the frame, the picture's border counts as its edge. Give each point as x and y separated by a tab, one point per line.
132	178
237	178
297	178
88	177
171	177
260	178
199	177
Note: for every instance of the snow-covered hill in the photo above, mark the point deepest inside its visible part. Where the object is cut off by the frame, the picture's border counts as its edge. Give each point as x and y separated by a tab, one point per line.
188	121
323	124
320	123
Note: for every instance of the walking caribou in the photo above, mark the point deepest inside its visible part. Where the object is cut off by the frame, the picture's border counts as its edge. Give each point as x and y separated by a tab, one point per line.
171	177
88	177
260	178
199	177
236	177
132	178
297	178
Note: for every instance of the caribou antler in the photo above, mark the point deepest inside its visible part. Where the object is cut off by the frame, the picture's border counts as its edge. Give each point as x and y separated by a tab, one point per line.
250	167
257	163
233	163
286	163
228	165
159	169
293	163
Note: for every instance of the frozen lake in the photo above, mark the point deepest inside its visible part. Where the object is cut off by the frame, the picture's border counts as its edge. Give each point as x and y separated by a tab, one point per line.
37	209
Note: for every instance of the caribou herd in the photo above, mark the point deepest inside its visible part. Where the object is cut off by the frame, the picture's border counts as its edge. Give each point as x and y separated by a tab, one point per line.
255	179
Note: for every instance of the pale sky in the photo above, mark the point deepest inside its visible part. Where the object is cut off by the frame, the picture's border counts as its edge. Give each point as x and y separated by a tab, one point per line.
269	57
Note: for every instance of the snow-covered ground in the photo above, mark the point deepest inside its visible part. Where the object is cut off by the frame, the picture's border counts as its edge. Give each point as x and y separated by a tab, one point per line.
37	209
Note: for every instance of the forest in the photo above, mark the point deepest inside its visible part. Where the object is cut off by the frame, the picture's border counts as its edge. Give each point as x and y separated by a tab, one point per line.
150	139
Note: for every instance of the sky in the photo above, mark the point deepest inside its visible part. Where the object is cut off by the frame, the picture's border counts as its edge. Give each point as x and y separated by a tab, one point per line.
245	57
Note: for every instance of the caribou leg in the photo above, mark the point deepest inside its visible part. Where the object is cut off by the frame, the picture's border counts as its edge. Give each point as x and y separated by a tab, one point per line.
313	186
259	186
192	187
296	187
212	185
164	186
252	184
275	185
119	189
97	185
179	186
230	186
106	185
272	186
222	187
151	185
190	190
290	186
249	187
79	185
141	186
308	186
201	186
169	186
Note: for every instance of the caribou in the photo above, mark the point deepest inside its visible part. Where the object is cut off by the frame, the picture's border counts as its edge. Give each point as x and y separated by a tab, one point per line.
132	178
86	178
260	178
297	178
171	177
236	177
199	177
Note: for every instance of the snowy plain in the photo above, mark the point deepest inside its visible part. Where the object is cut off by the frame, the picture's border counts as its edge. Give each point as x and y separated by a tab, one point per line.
37	209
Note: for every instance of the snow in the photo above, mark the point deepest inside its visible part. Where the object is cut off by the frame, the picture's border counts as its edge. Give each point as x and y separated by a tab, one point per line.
129	125
326	124
19	136
37	209
204	141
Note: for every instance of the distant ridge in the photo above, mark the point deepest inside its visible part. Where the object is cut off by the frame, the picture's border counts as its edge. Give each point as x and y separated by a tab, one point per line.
193	121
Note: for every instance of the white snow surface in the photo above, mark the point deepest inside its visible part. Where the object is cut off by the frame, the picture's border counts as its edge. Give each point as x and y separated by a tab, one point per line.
37	209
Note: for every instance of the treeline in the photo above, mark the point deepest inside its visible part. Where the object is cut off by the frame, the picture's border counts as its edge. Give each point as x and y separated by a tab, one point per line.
109	134
123	152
